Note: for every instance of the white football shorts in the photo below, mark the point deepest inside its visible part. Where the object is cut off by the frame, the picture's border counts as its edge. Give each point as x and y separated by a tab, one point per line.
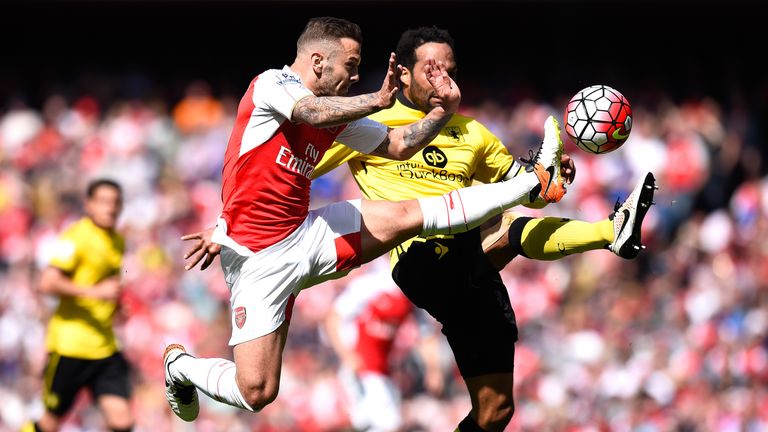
264	284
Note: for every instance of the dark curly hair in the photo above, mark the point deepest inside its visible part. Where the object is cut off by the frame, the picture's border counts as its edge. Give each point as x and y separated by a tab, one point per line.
414	38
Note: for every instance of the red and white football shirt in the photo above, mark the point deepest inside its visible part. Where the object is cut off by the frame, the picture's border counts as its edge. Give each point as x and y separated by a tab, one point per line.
269	161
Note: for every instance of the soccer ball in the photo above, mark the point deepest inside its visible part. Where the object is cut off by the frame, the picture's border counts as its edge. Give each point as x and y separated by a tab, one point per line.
598	119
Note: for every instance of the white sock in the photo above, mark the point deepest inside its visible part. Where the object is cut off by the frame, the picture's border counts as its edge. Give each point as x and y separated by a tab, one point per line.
464	209
213	376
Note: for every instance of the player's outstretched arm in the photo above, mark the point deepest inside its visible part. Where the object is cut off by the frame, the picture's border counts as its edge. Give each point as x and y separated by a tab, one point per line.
54	281
403	142
203	249
327	111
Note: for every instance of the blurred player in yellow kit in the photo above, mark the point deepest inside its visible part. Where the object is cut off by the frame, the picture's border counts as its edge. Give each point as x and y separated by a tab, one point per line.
83	352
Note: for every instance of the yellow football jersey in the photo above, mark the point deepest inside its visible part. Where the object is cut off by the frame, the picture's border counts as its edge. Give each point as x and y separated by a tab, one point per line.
463	152
81	326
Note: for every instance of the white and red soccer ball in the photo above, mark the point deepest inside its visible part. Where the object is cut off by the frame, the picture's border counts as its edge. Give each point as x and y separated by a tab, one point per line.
598	119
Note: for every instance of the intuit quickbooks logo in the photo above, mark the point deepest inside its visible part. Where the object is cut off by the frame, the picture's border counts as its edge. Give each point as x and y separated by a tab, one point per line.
435	157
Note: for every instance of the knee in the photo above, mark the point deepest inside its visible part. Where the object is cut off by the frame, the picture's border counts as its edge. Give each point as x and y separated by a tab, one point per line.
504	412
498	413
406	215
121	425
258	393
47	423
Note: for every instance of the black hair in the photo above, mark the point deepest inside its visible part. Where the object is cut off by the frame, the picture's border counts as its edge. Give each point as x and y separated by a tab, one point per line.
94	185
411	39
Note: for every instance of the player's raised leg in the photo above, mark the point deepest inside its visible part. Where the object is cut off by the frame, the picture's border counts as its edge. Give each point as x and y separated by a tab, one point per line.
552	238
386	224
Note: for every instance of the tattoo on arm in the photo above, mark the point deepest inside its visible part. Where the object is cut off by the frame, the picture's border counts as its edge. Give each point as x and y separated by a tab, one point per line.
422	132
334	110
383	148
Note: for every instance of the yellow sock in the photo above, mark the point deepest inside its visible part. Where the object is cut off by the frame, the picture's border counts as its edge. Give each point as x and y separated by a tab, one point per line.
551	238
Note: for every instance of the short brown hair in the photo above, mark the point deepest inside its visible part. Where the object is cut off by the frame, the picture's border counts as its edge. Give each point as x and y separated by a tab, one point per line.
94	185
329	29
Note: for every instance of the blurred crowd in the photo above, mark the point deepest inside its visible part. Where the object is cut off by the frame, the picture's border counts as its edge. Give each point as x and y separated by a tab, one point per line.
674	340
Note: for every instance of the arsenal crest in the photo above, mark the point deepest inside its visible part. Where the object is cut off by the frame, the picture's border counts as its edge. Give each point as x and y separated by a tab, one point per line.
240	316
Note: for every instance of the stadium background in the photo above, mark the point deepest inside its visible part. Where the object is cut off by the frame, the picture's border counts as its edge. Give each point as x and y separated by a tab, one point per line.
145	92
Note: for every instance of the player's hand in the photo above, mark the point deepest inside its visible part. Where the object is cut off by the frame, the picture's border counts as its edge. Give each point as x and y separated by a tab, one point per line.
567	168
107	289
445	87
388	92
202	249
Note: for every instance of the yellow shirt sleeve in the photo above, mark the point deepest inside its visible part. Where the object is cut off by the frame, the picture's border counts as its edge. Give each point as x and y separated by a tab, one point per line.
64	254
495	159
337	155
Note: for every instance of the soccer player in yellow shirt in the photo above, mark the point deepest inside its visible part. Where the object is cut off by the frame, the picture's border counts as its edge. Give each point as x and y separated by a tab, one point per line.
456	278
83	352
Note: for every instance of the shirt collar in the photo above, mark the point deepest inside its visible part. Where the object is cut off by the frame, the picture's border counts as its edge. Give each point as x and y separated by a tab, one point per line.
404	100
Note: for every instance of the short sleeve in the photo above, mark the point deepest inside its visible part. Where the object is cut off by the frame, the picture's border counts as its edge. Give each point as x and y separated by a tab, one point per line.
363	135
64	254
495	160
279	90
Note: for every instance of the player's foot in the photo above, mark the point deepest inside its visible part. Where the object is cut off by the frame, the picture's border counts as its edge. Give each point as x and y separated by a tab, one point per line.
545	163
181	397
628	217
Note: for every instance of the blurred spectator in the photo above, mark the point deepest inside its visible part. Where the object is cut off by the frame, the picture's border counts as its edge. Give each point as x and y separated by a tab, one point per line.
198	110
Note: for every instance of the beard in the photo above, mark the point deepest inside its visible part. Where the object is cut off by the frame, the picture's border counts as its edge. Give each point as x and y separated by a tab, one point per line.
420	98
327	86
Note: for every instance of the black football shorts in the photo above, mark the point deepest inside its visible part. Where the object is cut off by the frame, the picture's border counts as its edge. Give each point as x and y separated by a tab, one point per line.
452	279
65	376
